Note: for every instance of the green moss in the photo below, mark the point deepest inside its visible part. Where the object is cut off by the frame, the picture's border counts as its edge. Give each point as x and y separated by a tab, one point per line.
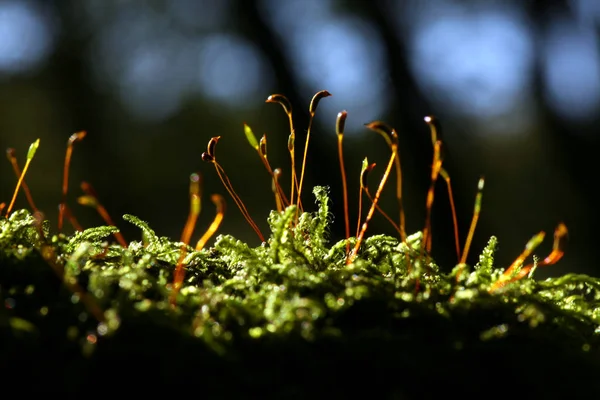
285	318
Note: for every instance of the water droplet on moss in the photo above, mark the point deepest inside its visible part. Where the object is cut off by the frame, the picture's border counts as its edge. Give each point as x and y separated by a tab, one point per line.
216	329
404	296
494	333
91	338
102	329
113	320
255	332
143	305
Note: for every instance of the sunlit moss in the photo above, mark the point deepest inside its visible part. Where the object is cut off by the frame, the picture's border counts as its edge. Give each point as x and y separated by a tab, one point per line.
296	287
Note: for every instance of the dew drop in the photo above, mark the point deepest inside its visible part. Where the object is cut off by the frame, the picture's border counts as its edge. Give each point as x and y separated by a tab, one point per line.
102	329
255	332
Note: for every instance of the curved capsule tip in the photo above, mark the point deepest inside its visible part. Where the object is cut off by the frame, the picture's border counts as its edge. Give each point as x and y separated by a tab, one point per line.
340	123
282	100
315	100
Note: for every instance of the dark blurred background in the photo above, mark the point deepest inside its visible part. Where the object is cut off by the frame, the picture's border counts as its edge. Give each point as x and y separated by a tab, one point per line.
516	85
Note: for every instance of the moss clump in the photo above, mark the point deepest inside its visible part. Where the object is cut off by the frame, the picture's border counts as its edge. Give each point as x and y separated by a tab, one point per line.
287	319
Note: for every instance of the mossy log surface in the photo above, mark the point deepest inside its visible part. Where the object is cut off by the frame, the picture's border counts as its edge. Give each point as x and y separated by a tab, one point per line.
288	319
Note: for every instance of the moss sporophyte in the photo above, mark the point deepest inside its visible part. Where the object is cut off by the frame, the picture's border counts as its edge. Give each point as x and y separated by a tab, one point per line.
294	313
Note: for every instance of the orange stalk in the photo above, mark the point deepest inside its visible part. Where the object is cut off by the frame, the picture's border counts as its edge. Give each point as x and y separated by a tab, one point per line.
287	107
364	187
195	207
311	109
434	128
261	149
188	230
274	188
446	177
76	137
391	140
90	199
366	168
30	153
339	128
210	157
560	237
476	212
380	210
11	154
354	252
219	202
435	170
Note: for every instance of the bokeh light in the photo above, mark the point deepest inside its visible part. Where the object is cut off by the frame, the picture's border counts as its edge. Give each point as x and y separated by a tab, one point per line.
26	36
155	65
341	53
572	69
231	70
473	62
200	14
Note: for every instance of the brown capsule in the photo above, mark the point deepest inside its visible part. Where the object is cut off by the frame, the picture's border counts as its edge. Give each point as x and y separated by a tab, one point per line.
315	100
340	123
275	180
263	146
364	174
212	143
435	127
10	153
207	157
385	130
77	137
280	99
291	140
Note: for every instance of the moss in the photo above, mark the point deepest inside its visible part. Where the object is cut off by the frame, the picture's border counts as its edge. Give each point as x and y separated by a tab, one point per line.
286	319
